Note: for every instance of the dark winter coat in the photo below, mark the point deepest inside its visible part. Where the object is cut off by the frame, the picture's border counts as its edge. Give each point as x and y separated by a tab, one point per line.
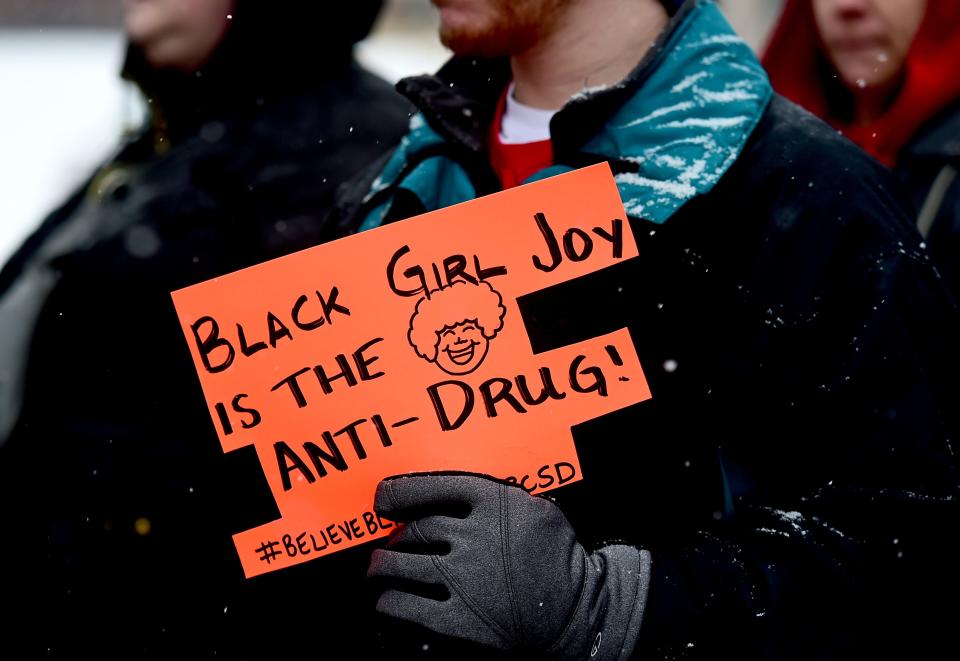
117	501
929	166
793	474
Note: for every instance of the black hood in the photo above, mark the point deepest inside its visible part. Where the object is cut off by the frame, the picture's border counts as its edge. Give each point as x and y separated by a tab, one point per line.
271	48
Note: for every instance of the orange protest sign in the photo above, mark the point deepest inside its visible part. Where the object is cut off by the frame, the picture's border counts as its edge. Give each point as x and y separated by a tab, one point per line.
403	349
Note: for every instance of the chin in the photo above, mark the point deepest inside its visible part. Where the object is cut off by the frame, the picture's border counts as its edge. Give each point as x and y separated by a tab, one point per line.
163	55
487	38
863	79
488	44
866	69
468	43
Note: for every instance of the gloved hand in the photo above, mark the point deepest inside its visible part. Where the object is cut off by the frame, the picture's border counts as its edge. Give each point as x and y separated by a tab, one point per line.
516	576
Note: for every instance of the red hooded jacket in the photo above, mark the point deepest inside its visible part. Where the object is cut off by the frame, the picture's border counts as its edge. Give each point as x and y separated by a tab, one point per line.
794	61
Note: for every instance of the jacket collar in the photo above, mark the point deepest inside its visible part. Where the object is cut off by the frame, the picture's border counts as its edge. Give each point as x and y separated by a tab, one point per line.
460	100
670	129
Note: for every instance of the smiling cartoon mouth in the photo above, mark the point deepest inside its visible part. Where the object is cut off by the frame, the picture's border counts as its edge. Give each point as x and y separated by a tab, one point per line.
462	356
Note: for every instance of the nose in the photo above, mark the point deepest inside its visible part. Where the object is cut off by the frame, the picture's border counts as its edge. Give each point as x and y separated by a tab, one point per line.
461	340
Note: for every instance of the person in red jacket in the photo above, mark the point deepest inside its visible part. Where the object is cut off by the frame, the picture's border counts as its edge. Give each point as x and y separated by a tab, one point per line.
883	73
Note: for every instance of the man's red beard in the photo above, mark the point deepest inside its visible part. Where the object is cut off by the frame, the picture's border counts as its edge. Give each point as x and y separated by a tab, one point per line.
511	27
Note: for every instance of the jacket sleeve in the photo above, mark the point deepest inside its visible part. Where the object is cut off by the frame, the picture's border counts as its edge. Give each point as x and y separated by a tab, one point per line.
838	534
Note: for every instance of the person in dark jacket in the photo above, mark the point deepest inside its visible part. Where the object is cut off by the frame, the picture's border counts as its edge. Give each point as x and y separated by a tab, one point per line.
882	72
116	494
790	490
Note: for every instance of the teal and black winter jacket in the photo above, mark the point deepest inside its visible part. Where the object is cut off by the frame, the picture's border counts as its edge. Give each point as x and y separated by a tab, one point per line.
793	475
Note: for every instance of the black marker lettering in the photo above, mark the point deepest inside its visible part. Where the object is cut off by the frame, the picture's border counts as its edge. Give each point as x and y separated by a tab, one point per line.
295	390
330	305
252	412
599	384
456	265
570	248
224	418
276	330
503	394
248	349
409	273
615	236
438	406
332	456
549	390
345	373
561	479
361	362
351	432
552	246
304	325
287	462
213	341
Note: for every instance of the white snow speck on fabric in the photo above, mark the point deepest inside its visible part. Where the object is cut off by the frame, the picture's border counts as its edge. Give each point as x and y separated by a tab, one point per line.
417	122
660	112
726	96
771	531
670	161
717	40
675	188
713	58
633	208
694	171
712	123
688	81
587	92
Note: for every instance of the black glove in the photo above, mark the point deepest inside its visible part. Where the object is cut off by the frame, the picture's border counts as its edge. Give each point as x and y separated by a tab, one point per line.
516	576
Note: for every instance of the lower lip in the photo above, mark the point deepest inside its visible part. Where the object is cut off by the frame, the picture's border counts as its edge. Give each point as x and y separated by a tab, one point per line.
859	45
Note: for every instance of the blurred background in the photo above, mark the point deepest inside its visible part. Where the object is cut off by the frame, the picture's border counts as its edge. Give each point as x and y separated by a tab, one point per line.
63	105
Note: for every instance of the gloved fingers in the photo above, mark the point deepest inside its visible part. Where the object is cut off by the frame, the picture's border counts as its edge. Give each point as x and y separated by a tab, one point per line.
410	607
385	563
408	497
449	618
431	534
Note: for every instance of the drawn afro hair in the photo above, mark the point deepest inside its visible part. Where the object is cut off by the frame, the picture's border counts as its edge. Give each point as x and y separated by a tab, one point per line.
451	305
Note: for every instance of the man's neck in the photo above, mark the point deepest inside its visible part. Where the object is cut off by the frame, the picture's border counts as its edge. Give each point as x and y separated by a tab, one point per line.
594	44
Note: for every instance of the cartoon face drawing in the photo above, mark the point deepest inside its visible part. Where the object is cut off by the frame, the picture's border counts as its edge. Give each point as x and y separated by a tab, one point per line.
462	348
453	326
